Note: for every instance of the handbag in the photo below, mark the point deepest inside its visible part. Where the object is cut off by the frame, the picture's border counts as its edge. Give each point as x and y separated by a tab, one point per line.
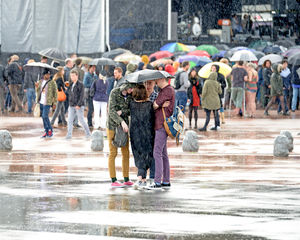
61	96
37	110
120	138
174	125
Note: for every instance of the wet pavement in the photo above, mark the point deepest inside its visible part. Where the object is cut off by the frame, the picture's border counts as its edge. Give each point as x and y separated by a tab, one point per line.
233	188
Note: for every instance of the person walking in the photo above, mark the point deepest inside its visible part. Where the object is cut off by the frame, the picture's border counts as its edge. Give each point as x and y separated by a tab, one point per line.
211	100
89	78
99	95
194	94
251	89
296	86
60	106
47	97
118	115
181	93
238	77
276	88
166	100
141	133
76	105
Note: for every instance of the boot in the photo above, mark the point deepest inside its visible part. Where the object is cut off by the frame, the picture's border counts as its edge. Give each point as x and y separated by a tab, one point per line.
202	129
222	117
195	125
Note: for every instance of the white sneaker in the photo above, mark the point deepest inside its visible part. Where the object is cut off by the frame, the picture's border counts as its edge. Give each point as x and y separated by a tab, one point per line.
151	181
139	185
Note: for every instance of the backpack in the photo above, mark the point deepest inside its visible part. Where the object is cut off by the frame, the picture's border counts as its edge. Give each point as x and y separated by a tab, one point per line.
174	125
177	83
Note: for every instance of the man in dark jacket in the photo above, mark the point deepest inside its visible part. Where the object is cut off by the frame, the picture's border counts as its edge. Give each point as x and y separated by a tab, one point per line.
76	105
15	79
2	89
89	78
30	81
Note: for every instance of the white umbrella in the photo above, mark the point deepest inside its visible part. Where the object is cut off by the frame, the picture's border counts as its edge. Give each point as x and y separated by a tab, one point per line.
243	55
274	58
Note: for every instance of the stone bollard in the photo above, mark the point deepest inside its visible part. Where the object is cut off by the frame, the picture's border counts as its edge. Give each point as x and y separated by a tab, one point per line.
97	141
5	141
290	138
281	146
190	142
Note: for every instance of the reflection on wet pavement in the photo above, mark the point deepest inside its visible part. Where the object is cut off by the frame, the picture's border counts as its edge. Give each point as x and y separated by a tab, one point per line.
233	188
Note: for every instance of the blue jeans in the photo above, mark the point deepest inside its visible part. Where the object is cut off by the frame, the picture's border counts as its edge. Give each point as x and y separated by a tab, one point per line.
285	95
72	112
296	94
45	116
30	94
180	99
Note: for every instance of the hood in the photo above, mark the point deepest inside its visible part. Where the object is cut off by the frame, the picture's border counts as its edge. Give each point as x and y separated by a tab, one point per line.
213	76
127	85
217	67
277	68
130	68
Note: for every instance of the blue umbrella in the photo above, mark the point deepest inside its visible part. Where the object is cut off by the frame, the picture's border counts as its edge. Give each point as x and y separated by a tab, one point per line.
218	55
188	58
272	49
202	61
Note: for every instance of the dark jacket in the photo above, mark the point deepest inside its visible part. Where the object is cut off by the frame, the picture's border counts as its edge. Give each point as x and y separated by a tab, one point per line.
267	72
100	89
295	76
76	97
30	79
15	73
2	79
221	80
195	82
60	84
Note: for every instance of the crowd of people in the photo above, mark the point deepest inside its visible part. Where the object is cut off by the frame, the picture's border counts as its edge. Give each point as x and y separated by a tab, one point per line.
137	109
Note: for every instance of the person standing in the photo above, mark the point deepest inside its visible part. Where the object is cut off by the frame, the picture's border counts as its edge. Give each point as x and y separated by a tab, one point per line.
266	86
47	97
251	89
76	105
194	94
30	81
211	100
181	93
141	133
77	67
117	81
2	89
160	153
276	88
98	93
286	79
118	115
296	86
60	107
15	80
89	78
238	77
67	68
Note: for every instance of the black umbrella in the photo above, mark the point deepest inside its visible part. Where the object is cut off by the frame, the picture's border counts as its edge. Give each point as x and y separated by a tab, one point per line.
38	68
115	52
102	62
146	75
285	43
222	47
54	53
294	59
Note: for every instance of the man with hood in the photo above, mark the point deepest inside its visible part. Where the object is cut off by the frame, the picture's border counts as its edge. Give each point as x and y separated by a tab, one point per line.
276	89
222	81
211	100
118	114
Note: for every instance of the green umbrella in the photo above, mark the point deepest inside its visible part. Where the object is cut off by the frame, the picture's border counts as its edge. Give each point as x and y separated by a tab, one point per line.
259	44
192	64
208	48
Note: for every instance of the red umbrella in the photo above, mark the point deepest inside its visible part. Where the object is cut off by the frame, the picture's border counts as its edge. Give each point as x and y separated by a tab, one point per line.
199	53
161	54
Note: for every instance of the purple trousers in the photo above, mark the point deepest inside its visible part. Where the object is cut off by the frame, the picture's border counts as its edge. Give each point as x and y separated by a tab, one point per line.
162	166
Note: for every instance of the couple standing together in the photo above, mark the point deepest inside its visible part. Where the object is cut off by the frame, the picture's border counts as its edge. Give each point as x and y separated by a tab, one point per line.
147	134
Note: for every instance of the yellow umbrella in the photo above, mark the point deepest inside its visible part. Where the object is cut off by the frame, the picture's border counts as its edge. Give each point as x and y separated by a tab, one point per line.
206	69
128	57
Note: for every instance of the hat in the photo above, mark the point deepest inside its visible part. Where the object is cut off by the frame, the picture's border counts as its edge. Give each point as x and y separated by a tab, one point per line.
170	69
127	85
46	71
145	59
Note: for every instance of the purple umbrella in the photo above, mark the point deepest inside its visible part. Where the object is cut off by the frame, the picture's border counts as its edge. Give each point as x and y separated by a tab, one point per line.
188	58
291	52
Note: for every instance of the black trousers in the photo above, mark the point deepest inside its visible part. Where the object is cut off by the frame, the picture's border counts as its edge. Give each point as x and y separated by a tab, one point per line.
216	116
191	109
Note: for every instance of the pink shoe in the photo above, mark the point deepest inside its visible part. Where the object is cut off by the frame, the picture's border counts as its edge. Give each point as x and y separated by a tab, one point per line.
117	184
128	183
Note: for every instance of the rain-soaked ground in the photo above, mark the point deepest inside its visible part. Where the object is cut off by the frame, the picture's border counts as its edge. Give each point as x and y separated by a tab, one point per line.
233	188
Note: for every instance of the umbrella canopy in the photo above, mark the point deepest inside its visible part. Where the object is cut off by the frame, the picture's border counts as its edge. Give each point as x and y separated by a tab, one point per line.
285	43
230	52
259	44
54	53
199	53
273	49
218	55
274	58
243	55
291	52
208	48
206	70
128	57
187	58
38	68
175	47
102	62
85	60
115	52
191	47
145	75
161	54
163	61
222	47
294	59
202	61
258	54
